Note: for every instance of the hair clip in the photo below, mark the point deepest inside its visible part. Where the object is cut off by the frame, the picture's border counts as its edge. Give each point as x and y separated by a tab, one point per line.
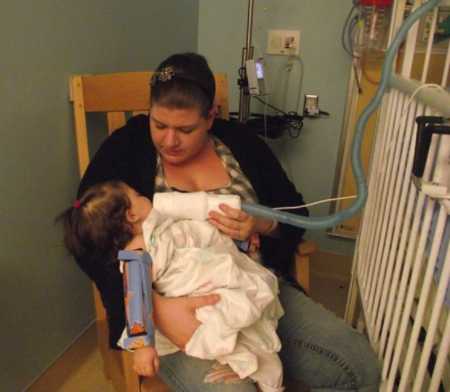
76	204
167	73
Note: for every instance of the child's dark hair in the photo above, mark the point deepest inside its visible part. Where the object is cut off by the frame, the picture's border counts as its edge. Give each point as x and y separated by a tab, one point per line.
183	81
97	223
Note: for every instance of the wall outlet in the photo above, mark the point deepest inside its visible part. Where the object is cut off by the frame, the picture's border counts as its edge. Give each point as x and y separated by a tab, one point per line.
283	42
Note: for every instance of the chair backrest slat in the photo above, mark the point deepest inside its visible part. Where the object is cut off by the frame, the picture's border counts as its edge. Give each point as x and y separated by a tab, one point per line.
115	121
116	92
130	92
81	138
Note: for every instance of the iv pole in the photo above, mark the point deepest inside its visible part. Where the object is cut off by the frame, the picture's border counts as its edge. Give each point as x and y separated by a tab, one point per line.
247	54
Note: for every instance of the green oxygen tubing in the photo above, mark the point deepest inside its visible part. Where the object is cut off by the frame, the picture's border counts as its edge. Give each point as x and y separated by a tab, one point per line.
334	219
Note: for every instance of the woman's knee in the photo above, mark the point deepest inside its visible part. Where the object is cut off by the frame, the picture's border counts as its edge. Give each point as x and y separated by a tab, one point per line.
367	366
186	374
350	367
323	351
222	387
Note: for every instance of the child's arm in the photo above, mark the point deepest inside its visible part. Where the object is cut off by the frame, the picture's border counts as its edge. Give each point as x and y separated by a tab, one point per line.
146	361
139	334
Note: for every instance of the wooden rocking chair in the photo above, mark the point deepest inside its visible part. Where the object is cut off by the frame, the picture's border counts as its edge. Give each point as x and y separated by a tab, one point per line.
118	95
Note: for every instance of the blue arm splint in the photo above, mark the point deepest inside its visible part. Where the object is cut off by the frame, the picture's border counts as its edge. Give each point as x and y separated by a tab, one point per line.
138	299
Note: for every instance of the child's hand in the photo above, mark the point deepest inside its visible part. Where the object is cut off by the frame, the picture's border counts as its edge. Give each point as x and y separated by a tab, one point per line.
223	374
146	361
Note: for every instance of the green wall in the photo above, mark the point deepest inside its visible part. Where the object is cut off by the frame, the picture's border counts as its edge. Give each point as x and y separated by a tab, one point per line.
310	160
45	300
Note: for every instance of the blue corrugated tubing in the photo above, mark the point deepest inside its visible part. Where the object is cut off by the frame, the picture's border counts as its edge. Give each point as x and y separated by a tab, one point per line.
333	220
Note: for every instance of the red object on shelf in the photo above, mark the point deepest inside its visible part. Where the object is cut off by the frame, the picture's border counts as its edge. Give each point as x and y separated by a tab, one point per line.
377	3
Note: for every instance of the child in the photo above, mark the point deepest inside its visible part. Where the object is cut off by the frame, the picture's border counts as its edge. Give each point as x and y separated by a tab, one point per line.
189	258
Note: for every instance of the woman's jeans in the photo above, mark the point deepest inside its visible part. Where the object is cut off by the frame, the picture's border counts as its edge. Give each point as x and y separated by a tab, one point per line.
317	348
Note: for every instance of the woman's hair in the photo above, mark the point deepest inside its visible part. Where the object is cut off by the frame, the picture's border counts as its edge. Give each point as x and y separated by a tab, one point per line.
184	81
97	223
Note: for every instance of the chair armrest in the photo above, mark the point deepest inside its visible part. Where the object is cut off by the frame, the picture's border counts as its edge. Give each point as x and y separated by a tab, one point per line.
306	248
302	261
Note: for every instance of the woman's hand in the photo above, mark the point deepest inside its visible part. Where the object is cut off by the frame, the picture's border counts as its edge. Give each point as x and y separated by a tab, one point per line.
238	224
175	317
146	361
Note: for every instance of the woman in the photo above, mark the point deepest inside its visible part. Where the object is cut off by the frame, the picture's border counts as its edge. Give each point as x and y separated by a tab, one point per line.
181	146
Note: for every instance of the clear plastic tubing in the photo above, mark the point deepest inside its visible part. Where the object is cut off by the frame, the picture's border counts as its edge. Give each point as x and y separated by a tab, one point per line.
318	223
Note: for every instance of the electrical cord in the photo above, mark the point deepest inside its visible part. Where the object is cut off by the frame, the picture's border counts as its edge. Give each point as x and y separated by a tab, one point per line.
269	105
300	84
315	203
352	32
349	31
291	121
345	29
347	40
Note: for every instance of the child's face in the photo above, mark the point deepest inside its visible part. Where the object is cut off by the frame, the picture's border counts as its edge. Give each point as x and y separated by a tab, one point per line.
140	206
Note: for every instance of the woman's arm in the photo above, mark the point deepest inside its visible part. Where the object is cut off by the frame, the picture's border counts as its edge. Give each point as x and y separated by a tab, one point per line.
175	317
239	225
272	186
265	173
169	314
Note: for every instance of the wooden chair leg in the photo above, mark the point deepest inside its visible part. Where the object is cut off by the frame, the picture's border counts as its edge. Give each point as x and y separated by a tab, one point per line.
131	379
154	384
113	367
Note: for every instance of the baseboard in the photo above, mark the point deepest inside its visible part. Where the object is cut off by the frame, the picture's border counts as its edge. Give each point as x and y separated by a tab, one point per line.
58	357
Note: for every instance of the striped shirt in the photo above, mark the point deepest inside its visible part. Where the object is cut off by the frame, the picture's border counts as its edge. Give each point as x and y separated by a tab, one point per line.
239	184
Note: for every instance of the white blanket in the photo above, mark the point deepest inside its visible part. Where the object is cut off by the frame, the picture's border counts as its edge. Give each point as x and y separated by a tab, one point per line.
194	258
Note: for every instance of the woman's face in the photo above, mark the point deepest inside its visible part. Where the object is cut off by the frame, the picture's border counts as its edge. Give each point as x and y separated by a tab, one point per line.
179	134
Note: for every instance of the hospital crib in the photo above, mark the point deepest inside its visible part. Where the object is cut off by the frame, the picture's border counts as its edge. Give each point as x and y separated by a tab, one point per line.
401	268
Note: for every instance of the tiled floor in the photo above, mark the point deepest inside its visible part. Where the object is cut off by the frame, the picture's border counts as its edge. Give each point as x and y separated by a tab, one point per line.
80	369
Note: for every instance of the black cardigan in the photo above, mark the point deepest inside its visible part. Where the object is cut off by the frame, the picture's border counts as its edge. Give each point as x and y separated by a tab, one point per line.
129	155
